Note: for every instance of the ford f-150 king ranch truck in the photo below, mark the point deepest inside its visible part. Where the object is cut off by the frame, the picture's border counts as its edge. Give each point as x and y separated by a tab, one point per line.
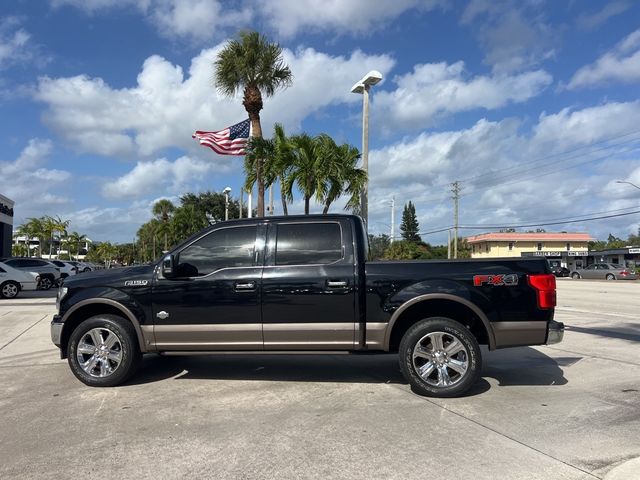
300	284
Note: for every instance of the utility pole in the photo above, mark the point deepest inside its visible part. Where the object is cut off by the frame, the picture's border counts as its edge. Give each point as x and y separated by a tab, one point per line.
449	244
241	201
455	189
393	218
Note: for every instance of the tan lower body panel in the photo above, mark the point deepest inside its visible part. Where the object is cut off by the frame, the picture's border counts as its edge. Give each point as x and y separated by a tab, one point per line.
240	336
515	334
375	335
309	336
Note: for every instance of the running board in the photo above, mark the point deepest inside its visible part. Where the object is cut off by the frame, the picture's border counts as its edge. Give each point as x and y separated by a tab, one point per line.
254	352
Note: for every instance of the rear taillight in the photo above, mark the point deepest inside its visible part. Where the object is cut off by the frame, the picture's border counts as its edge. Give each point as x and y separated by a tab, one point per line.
545	286
624	273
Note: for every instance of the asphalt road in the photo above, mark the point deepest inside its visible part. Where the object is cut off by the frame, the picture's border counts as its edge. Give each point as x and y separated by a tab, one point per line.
569	411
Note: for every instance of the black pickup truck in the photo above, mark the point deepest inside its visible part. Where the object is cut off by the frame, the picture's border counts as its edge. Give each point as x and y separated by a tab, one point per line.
299	284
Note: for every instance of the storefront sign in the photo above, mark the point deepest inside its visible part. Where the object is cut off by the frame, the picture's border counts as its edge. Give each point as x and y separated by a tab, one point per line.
578	254
634	250
542	254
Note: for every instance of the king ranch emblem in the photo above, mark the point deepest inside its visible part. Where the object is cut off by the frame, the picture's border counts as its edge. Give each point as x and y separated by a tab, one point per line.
498	280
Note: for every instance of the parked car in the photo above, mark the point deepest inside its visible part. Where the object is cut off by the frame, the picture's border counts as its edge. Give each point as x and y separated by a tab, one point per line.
13	281
66	268
49	273
300	284
84	266
559	271
605	271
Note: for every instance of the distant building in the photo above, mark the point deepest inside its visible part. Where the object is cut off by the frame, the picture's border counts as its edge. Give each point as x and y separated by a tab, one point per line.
6	225
627	256
566	249
58	247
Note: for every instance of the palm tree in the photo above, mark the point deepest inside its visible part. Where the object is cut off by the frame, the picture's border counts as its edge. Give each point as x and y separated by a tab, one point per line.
53	225
255	65
306	169
341	173
34	228
163	209
278	161
75	239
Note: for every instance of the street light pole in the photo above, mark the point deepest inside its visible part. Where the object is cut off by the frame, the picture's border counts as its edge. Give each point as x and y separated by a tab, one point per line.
393	218
632	184
226	203
363	86
364	198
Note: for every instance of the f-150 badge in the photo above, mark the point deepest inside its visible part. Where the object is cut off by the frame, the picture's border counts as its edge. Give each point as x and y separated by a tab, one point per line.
508	280
136	283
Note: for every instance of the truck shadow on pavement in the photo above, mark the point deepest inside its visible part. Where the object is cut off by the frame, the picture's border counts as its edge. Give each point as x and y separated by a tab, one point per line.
525	366
518	366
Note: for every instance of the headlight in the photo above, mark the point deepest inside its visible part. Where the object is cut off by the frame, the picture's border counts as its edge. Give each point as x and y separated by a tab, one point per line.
62	291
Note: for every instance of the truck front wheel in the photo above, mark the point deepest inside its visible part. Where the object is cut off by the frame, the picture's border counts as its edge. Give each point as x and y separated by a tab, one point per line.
103	351
439	357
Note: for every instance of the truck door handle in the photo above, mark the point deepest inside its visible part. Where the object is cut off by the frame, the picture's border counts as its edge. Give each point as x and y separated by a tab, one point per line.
245	286
336	283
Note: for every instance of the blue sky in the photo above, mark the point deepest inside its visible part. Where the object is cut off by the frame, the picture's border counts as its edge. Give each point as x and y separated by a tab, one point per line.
533	106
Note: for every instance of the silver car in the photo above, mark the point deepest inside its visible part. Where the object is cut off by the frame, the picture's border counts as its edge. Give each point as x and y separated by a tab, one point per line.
605	271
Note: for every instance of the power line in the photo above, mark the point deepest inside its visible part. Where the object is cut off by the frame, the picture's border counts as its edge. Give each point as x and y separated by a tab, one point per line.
480	227
470	179
540	224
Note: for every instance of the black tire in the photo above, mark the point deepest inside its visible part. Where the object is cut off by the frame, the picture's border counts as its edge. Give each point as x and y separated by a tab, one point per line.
9	289
86	269
610	276
46	282
432	382
575	275
126	347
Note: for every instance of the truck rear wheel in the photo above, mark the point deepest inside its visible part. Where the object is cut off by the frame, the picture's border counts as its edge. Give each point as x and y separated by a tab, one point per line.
103	351
439	357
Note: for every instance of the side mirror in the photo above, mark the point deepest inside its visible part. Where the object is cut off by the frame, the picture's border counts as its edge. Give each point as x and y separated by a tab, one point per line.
168	267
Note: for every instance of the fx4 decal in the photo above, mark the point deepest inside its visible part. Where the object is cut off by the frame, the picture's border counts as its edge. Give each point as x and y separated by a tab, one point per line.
500	280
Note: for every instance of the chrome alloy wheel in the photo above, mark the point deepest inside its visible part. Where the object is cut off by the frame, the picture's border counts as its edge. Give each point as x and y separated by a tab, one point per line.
9	290
99	352
441	359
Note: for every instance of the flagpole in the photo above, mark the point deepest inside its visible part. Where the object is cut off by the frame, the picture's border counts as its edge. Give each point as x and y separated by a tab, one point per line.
241	201
249	213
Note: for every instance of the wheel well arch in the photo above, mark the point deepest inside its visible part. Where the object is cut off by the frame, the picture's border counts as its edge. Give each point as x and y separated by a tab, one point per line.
439	305
89	308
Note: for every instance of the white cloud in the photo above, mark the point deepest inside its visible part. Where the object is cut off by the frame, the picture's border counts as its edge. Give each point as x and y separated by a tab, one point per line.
202	20
27	181
515	35
166	107
621	64
194	20
290	17
611	9
435	89
15	43
509	177
593	124
157	175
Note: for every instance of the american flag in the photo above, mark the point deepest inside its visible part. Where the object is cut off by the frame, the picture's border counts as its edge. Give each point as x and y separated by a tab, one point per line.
230	141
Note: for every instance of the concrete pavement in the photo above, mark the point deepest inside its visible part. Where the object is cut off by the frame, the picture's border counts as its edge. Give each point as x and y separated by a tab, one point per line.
569	411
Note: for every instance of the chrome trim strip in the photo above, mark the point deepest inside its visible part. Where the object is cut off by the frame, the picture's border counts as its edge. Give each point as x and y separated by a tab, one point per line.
56	333
517	334
119	306
441	296
555	332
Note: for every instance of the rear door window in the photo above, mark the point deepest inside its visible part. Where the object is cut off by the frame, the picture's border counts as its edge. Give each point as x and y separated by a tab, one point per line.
308	243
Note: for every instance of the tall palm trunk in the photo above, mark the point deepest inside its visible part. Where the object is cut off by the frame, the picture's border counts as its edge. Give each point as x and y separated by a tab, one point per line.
253	104
285	210
306	205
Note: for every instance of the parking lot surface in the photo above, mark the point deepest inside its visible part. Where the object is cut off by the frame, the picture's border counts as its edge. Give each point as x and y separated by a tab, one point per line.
568	411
